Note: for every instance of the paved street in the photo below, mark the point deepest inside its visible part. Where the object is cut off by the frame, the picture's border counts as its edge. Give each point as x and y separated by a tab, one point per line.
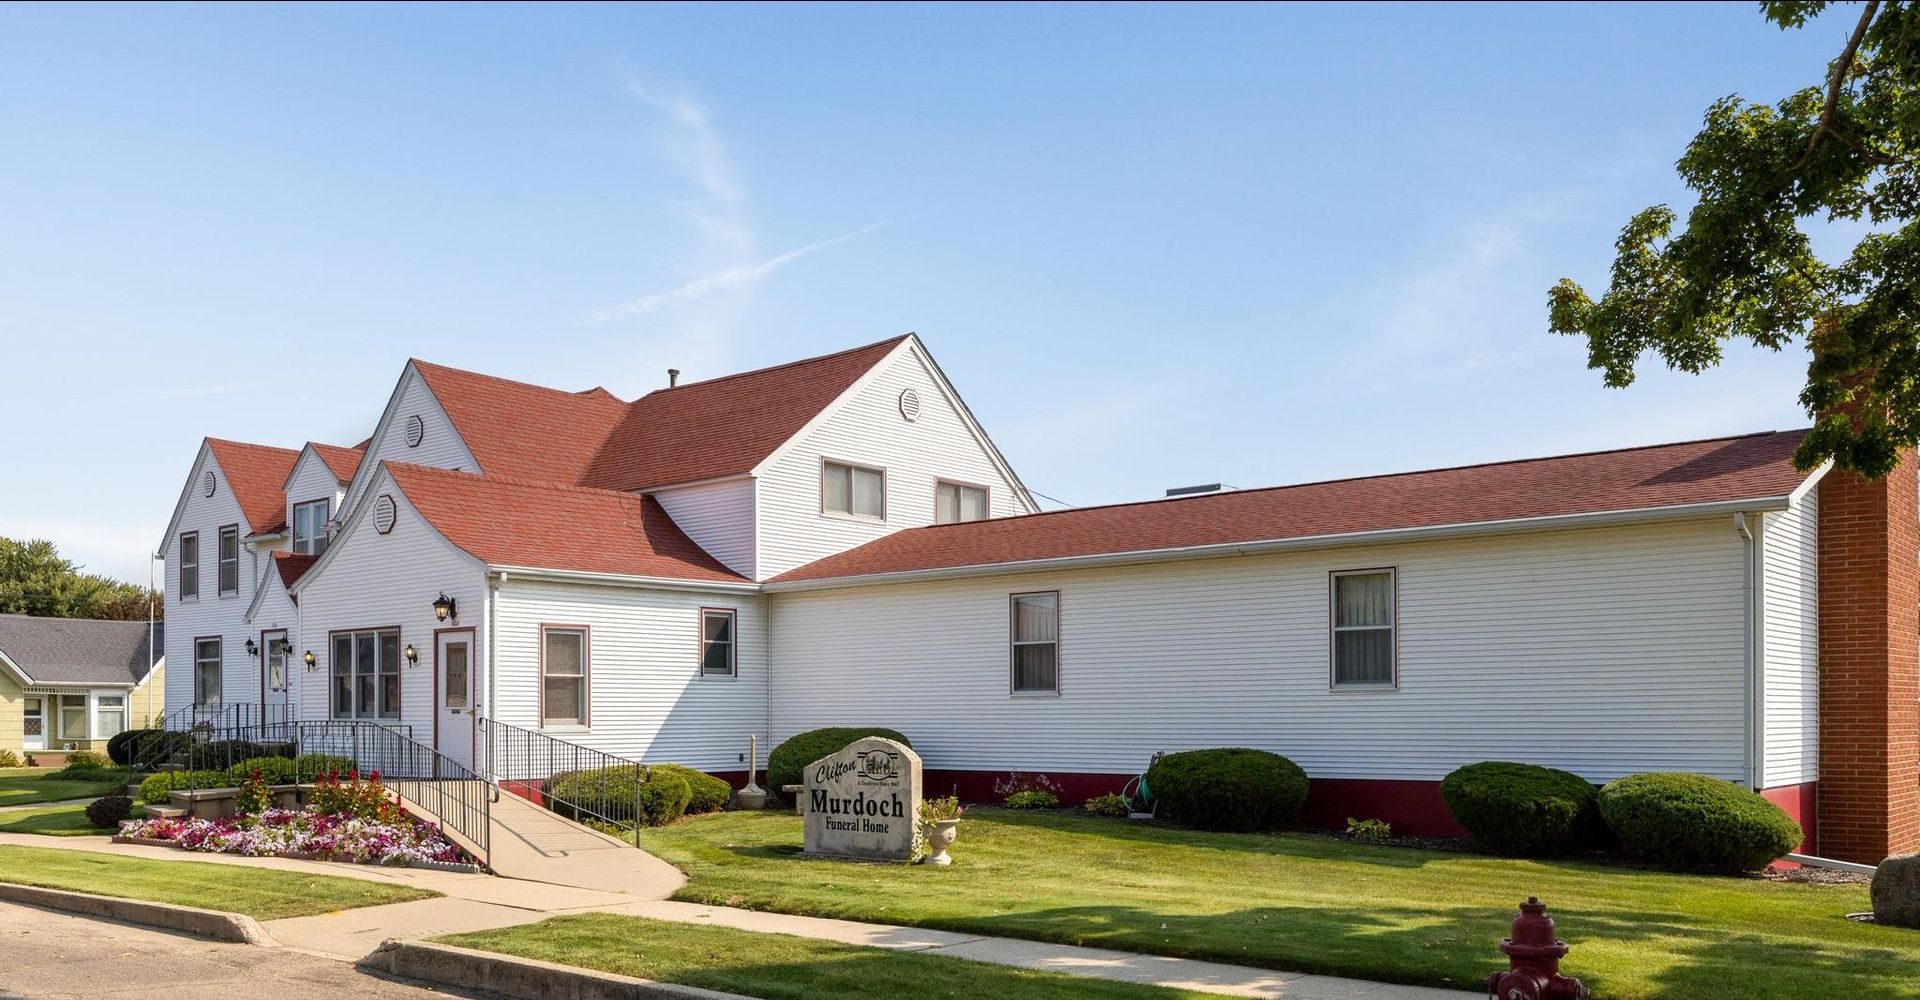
53	956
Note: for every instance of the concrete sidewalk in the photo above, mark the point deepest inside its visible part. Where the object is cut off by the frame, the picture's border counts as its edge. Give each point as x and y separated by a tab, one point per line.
483	902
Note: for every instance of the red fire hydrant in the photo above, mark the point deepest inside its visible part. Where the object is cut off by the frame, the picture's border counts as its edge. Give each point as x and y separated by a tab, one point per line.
1533	956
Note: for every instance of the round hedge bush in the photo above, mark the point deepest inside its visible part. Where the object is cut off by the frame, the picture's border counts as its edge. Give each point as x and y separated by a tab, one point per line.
1696	823
1521	809
708	793
107	812
1232	788
121	746
608	793
787	764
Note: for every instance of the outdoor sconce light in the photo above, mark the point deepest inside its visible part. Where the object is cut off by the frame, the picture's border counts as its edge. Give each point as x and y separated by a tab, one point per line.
307	658
253	649
412	655
442	607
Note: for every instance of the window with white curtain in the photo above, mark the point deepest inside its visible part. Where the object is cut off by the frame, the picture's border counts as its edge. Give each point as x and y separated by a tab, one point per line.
310	526
1036	643
956	502
853	490
206	671
563	676
1363	614
109	715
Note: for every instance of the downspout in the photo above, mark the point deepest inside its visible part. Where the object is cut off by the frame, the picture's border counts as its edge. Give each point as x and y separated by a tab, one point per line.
1755	643
493	596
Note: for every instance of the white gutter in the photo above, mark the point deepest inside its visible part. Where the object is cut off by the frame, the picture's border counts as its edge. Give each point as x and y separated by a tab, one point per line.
1254	547
624	580
1754	592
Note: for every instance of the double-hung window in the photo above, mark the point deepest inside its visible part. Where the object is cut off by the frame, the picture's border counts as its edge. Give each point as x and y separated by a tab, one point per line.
1036	643
109	715
853	491
206	671
717	642
73	716
229	560
189	565
956	502
366	675
1363	614
310	527
563	675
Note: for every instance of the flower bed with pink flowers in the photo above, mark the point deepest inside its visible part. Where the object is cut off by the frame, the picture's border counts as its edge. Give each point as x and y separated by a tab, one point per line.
347	821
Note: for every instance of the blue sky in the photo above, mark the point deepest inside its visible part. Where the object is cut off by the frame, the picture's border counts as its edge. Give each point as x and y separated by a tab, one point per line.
1152	246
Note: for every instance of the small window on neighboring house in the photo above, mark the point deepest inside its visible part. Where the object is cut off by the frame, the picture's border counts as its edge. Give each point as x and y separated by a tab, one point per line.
229	560
717	642
73	716
1036	643
109	715
563	676
310	526
206	672
956	502
189	565
1363	616
853	490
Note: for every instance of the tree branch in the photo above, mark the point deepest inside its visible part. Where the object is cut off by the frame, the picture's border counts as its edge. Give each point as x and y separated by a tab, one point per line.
1837	79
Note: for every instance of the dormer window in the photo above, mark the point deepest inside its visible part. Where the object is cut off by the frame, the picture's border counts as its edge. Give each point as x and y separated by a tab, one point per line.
310	526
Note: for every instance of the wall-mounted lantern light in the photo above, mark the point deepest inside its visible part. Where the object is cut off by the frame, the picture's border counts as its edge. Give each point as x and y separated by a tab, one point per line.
412	655
307	658
253	648
443	607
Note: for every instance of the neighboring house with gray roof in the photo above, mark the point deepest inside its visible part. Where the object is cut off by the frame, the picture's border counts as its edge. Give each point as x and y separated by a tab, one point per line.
72	683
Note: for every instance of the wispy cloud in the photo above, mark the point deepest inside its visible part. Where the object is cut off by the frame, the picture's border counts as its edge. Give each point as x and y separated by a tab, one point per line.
197	392
733	277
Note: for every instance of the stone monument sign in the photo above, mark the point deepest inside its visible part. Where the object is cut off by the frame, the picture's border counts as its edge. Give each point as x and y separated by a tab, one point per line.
864	802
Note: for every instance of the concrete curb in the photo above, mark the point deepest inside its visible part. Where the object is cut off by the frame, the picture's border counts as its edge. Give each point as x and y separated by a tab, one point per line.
214	924
520	978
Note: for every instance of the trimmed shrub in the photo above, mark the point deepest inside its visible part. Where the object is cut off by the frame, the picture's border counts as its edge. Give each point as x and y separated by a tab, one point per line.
1110	804
272	771
85	760
607	793
1232	788
708	793
787	764
107	812
156	746
1521	809
309	766
122	745
1033	799
9	759
226	753
1696	823
153	791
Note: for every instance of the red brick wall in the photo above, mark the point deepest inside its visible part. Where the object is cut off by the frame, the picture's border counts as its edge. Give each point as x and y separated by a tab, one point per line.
1869	805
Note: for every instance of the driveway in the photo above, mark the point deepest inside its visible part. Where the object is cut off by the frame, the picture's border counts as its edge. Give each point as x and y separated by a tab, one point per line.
53	955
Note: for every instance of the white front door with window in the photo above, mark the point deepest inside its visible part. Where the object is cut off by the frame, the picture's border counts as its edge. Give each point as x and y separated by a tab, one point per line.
275	677
34	721
453	720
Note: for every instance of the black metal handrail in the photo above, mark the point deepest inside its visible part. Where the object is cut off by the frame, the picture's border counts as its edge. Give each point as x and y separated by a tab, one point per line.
578	782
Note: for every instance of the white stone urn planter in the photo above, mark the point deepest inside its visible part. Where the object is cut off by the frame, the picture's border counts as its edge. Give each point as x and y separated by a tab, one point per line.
941	836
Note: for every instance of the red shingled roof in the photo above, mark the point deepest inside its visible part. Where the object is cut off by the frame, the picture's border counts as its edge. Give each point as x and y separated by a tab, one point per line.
257	475
524	431
509	522
1724	469
291	564
340	461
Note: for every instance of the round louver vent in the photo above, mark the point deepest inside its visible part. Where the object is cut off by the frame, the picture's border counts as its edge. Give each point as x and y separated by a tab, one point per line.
416	429
384	513
910	405
206	482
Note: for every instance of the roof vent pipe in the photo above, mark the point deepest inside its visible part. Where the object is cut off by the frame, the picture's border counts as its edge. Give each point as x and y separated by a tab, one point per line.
1188	491
673	377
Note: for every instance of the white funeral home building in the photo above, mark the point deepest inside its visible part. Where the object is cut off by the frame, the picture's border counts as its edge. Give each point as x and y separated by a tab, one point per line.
837	541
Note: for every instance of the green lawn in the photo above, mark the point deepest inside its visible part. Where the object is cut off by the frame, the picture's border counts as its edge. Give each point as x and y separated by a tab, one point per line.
261	893
53	821
1318	904
19	786
780	966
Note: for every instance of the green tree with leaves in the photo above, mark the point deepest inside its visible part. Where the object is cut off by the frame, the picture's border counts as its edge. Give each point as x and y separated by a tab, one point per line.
1743	267
35	580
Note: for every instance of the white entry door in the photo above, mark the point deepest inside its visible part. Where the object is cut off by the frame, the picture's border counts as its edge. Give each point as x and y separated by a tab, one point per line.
453	669
34	722
275	676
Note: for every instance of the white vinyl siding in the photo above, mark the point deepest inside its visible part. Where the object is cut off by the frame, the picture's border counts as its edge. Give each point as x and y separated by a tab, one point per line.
1791	613
647	697
209	616
1629	637
718	517
440	447
865	428
375	581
